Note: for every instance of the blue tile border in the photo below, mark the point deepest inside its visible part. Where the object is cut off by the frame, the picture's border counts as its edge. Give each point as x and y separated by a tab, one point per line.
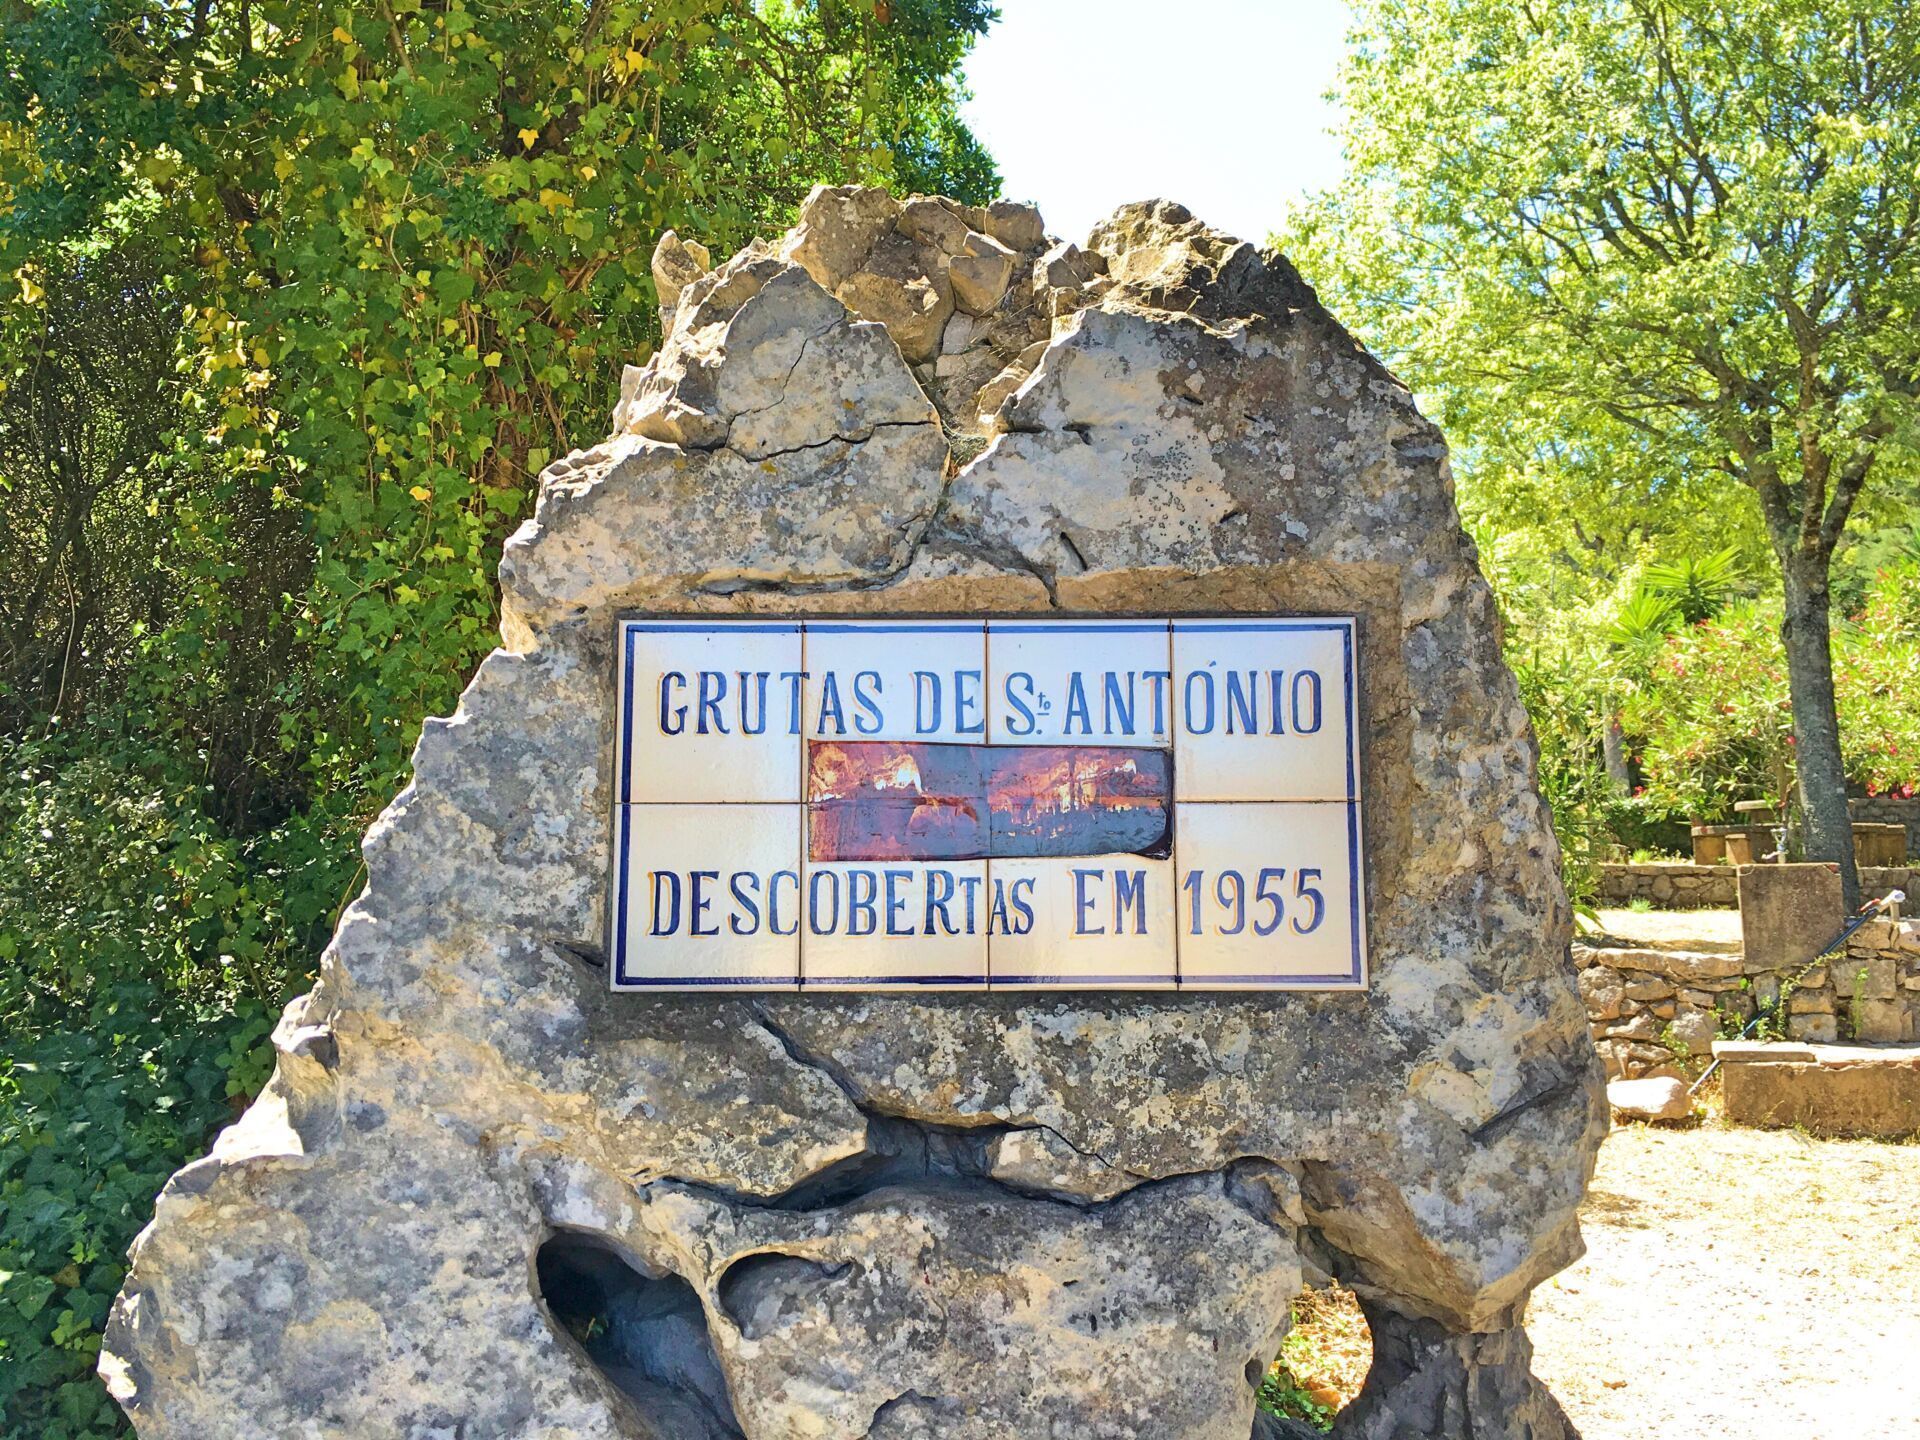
1077	627
900	627
1216	627
884	982
1119	982
762	982
1354	979
675	627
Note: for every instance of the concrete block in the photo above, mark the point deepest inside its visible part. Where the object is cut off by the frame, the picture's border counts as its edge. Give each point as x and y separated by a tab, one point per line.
1837	1090
1787	912
1733	1052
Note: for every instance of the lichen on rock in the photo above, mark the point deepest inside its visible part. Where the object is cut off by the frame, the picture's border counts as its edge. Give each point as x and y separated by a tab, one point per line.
484	1197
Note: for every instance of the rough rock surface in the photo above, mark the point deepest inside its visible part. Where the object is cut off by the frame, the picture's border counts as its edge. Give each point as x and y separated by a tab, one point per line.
484	1198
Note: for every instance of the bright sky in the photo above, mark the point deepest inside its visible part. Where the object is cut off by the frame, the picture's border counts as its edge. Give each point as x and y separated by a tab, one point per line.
1218	104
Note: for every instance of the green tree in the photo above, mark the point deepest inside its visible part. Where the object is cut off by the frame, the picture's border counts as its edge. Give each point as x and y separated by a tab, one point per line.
1658	252
295	300
412	246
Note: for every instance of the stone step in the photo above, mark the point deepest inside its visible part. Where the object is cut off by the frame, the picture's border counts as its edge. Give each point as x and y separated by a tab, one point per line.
1687	965
1861	1090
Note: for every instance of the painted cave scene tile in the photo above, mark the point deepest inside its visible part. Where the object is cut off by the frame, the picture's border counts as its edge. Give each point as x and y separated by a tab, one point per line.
1079	800
1264	709
883	801
710	897
1098	682
710	711
892	800
1081	923
922	680
895	925
1269	896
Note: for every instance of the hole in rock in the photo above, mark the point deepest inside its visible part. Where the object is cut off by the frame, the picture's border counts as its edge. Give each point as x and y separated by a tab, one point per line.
647	1335
762	1293
899	1153
1322	1363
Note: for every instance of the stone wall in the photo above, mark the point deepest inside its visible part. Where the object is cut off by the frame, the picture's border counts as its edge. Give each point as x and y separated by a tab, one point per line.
1877	987
1655	1011
1658	1011
1890	810
1669	884
1677	885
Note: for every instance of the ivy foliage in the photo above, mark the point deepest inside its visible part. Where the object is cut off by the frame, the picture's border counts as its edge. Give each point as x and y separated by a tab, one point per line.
296	300
146	955
421	242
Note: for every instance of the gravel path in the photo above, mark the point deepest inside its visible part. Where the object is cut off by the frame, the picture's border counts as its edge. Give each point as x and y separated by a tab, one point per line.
1749	1283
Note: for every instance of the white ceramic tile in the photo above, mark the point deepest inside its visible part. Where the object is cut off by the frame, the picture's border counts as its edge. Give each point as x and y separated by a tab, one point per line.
1100	682
896	924
897	680
1263	709
710	897
1277	892
707	711
1102	922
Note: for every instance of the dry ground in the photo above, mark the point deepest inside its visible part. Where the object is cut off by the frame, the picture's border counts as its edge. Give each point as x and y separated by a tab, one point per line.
1710	930
1746	1284
1750	1283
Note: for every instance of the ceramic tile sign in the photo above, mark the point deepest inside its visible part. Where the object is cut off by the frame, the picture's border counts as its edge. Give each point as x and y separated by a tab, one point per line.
975	804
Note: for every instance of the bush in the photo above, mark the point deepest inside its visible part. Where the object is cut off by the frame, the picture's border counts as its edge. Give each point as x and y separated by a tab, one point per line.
1706	715
1568	708
146	955
1716	724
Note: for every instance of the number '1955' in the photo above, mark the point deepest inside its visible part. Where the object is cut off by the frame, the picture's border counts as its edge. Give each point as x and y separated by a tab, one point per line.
1266	908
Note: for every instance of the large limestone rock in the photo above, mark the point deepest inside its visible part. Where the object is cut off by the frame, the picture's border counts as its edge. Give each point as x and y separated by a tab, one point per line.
484	1198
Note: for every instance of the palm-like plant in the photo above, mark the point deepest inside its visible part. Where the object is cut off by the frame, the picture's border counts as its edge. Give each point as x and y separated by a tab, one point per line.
1697	586
1646	619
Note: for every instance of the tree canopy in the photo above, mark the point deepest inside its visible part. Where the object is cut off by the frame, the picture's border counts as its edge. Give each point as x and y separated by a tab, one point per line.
298	301
1655	262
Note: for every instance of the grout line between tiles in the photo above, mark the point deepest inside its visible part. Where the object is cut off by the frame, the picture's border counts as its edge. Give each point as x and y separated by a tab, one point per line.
986	730
1176	805
805	846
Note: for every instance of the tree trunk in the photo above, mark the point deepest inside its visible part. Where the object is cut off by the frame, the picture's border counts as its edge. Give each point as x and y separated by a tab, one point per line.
1613	750
1807	635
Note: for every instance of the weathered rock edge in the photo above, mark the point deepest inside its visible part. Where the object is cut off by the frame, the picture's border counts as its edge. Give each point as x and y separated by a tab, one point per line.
1071	1215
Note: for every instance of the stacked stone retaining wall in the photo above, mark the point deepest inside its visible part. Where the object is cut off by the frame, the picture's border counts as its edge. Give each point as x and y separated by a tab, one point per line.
1656	1011
1877	987
1677	885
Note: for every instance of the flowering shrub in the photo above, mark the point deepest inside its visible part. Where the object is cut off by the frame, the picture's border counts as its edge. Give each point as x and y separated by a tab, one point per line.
1712	719
1877	681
